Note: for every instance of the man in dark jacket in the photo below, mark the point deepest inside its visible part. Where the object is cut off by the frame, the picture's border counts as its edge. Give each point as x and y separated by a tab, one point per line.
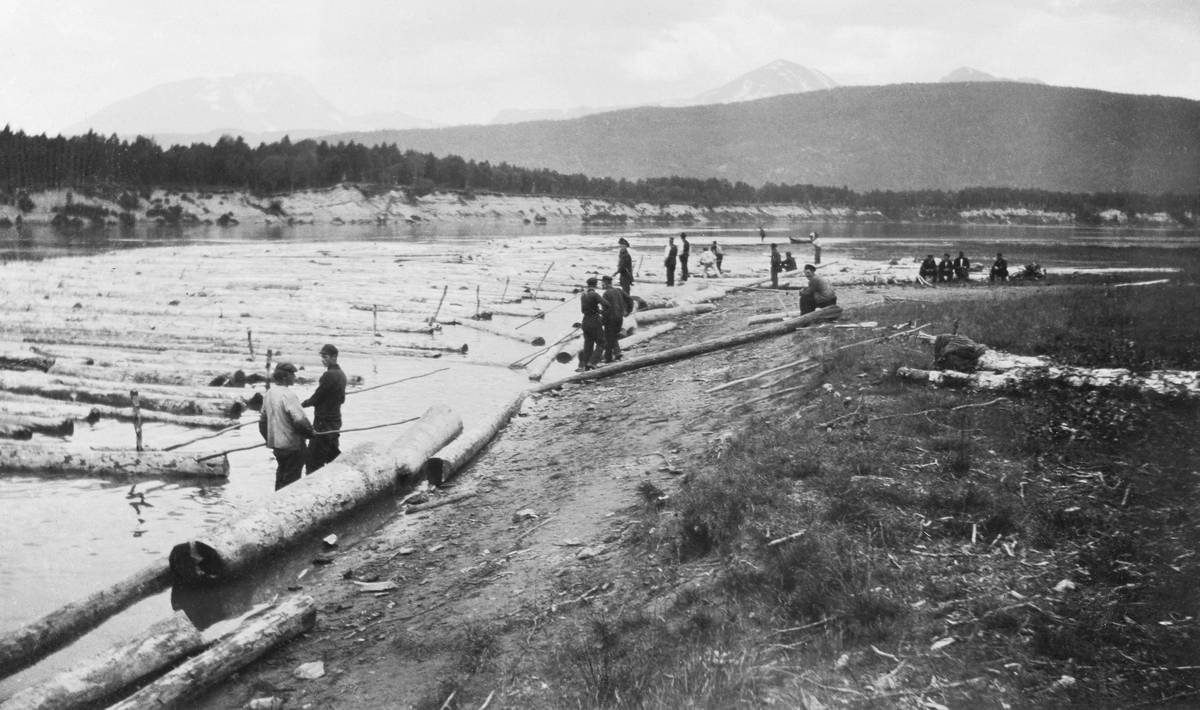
685	251
590	304
327	410
613	317
945	269
625	267
962	268
776	265
999	269
929	269
669	255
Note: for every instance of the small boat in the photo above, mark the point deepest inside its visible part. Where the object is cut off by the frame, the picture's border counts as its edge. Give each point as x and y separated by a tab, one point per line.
798	240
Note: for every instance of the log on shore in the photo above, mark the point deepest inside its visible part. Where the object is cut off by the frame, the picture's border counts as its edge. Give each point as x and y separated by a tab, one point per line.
75	459
495	329
12	359
443	465
114	669
538	366
108	394
292	617
39	638
1172	383
313	502
729	341
656	315
51	426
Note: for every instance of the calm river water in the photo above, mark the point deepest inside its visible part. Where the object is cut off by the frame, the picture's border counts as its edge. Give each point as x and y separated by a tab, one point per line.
63	538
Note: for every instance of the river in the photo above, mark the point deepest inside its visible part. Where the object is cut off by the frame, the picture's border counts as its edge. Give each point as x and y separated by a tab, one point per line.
63	538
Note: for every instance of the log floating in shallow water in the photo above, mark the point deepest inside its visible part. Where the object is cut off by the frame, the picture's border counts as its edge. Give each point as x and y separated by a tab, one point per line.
292	617
12	359
186	401
41	637
354	479
115	668
51	426
75	459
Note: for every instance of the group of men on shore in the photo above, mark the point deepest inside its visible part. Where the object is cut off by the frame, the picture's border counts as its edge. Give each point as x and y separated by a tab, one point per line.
958	270
300	445
710	258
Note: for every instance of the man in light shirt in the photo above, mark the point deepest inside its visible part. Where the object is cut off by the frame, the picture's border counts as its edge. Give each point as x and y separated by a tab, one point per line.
284	425
817	294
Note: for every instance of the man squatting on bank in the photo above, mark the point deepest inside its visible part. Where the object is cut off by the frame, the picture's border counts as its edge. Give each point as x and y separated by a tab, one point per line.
284	425
817	294
327	410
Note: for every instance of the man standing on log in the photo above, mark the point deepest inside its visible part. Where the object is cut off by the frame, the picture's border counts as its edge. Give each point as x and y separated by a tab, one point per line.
625	266
685	251
669	260
614	316
327	411
776	266
590	304
285	427
817	294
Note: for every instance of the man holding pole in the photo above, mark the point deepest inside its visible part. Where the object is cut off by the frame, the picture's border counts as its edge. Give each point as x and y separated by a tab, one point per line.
284	426
327	410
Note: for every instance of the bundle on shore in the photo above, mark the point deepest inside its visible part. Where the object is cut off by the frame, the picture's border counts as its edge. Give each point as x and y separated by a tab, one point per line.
236	545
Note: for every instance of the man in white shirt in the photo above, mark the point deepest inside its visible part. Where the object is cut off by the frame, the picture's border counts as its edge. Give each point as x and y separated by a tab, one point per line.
284	425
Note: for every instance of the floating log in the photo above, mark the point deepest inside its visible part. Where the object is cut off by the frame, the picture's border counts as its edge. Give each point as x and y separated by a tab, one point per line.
729	341
656	315
11	359
41	637
115	668
313	502
292	617
12	430
410	327
538	366
51	426
442	466
187	402
494	329
75	459
125	414
1175	383
514	311
176	376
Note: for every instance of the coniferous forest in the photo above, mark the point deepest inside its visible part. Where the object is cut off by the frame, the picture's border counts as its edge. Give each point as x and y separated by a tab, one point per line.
29	163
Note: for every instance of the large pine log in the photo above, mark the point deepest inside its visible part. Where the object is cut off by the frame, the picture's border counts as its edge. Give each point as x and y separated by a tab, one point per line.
729	341
114	669
142	375
11	429
292	617
496	329
313	502
17	427
1173	383
442	466
656	315
76	459
45	635
14	359
538	366
213	402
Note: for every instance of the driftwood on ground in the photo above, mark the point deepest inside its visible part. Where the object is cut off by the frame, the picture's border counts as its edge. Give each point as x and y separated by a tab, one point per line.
115	668
42	636
1176	383
292	617
355	479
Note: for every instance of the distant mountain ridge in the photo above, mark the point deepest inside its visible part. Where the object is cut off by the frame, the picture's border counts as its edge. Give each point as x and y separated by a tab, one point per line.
249	105
897	137
969	74
778	77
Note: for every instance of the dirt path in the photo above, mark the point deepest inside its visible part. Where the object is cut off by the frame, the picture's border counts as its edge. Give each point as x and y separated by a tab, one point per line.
576	459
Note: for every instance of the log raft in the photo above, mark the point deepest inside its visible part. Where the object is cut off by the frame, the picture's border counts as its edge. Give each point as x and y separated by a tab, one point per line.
114	669
76	459
313	502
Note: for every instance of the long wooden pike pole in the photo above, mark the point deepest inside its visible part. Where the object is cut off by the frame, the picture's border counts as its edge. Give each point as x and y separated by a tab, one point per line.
319	433
137	418
375	320
539	286
250	341
518	364
476	302
505	292
543	315
406	379
439	306
214	435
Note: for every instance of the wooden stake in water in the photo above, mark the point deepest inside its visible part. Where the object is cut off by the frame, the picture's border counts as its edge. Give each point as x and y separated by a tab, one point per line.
375	320
539	286
269	354
250	340
505	293
137	417
476	302
439	306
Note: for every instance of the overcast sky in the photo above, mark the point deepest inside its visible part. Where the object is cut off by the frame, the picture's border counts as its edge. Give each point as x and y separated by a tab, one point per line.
461	62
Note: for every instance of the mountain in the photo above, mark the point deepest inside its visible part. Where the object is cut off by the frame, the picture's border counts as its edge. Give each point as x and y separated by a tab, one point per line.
907	136
778	77
255	106
969	74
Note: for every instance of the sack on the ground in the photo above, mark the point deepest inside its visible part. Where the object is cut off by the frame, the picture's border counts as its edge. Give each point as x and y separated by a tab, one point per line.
956	352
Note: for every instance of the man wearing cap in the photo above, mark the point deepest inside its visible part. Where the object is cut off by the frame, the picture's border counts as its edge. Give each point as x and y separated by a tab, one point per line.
625	266
590	304
284	426
817	294
614	316
669	260
327	410
776	265
685	251
815	240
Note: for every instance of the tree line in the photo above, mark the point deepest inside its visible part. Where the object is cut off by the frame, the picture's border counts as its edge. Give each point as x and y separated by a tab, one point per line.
33	162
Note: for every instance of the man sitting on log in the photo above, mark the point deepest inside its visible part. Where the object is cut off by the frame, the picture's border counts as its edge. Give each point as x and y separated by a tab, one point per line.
999	269
327	410
284	425
817	294
962	267
789	262
945	269
929	269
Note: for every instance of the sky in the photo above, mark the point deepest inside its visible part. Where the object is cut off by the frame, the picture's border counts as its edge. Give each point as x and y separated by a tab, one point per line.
455	62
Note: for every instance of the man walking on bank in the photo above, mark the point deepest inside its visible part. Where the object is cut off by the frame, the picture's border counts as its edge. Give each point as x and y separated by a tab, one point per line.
669	260
284	426
685	251
327	411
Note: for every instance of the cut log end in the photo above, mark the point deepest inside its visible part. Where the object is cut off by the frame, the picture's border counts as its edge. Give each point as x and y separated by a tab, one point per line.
195	563
435	471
